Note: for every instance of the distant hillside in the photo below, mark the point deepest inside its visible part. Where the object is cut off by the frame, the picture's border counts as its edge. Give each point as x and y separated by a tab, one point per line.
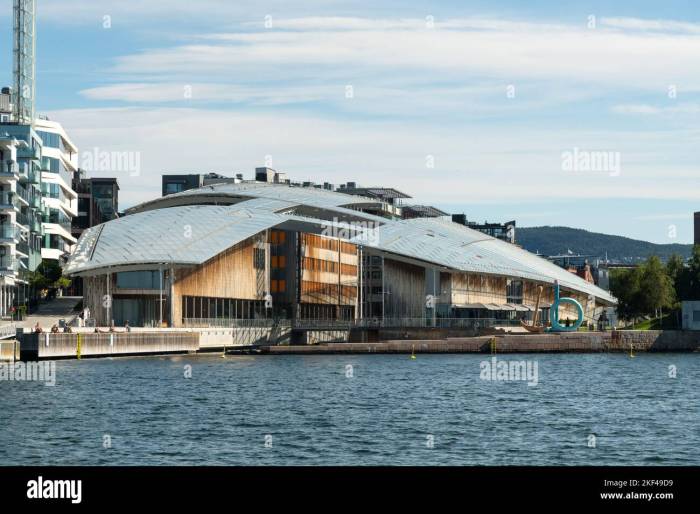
558	240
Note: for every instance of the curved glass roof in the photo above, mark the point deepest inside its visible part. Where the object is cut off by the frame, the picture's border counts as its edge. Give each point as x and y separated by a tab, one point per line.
233	193
185	235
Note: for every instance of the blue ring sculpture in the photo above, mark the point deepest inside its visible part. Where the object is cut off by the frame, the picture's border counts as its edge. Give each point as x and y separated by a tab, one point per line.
554	313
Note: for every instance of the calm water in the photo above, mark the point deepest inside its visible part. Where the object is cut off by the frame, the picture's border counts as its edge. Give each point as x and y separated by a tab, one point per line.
382	415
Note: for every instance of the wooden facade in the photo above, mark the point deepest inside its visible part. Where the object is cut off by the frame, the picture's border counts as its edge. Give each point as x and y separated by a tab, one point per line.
312	276
328	270
404	290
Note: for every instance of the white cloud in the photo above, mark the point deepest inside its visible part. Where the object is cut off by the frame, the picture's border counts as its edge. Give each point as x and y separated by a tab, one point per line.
312	51
473	165
180	92
651	25
645	109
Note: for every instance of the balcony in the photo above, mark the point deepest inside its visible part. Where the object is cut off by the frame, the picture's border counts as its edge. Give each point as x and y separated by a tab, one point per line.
22	196
23	248
23	219
8	201
9	265
29	174
29	153
9	233
34	176
9	171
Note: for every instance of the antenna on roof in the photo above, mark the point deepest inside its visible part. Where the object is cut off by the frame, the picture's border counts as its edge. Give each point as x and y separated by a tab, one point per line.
24	66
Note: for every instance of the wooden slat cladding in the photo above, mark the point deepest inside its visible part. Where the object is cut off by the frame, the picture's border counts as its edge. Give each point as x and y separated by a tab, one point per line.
94	291
329	270
467	288
404	294
231	274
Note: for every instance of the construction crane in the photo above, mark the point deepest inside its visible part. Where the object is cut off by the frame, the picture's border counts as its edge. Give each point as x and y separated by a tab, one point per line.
24	67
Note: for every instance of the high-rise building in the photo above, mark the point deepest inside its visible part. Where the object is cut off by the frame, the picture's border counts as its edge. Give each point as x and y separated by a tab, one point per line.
20	212
178	183
98	201
58	164
503	231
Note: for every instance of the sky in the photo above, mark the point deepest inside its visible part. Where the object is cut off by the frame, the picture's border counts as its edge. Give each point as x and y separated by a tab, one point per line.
581	114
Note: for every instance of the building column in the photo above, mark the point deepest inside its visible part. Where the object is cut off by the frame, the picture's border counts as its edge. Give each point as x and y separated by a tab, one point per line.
171	295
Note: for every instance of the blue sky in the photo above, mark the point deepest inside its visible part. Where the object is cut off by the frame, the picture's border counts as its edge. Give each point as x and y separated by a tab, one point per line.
469	106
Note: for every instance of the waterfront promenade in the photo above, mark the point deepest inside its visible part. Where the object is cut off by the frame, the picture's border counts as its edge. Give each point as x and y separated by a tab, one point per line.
165	341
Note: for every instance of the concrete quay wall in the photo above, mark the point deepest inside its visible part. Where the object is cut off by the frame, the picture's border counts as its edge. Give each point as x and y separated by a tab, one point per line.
578	342
62	345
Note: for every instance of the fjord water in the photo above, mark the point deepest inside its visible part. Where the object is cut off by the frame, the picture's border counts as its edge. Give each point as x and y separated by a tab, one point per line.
383	410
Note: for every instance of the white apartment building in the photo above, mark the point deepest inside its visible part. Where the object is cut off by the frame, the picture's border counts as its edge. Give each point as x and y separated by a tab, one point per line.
60	202
20	215
9	229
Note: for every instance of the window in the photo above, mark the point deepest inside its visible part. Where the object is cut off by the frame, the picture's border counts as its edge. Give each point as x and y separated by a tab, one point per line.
696	316
277	237
174	187
51	164
514	291
139	280
50	140
259	258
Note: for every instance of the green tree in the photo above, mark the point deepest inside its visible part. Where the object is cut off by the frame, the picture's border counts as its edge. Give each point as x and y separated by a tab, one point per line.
624	285
38	281
656	288
48	275
691	284
645	290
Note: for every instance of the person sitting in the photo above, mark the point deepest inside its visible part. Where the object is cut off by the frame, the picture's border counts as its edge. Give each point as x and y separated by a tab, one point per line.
68	330
37	328
54	329
127	327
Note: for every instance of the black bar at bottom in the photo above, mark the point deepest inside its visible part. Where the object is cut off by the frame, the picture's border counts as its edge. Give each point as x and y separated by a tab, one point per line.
330	486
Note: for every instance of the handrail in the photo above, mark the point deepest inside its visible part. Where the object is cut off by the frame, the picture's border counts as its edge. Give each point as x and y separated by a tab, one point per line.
310	324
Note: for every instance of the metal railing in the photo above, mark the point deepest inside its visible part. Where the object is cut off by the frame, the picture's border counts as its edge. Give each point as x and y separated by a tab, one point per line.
7	331
22	219
9	168
9	264
331	324
9	232
9	198
234	323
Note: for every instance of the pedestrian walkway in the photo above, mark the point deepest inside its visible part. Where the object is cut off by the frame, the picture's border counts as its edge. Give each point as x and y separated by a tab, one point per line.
49	313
